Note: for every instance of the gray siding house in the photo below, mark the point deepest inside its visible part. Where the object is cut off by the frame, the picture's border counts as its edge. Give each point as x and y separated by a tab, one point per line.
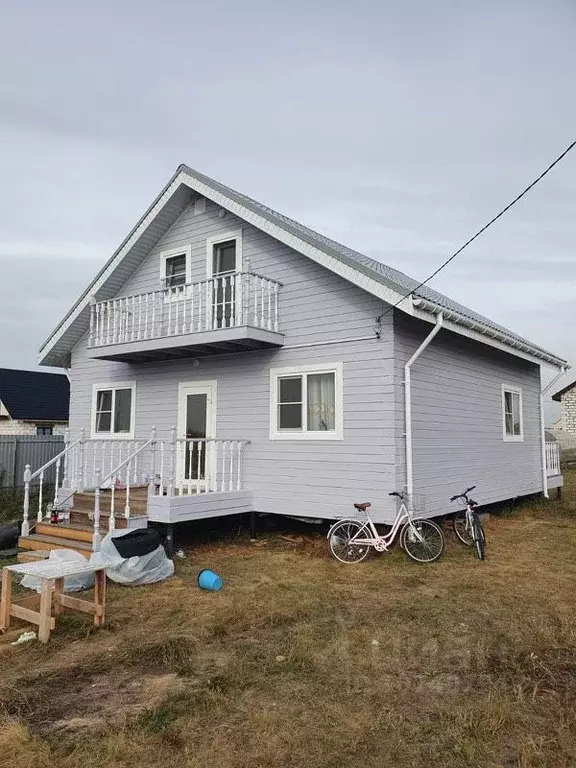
228	359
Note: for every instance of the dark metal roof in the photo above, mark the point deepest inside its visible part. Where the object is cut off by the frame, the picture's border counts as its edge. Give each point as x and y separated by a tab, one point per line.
35	395
558	395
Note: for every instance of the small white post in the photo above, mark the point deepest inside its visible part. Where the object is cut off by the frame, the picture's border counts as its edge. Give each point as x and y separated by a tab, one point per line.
96	537
127	491
172	478
40	499
276	307
66	474
151	486
80	481
112	518
25	530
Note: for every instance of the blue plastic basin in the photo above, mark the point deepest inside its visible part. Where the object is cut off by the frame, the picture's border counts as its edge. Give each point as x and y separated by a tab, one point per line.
207	579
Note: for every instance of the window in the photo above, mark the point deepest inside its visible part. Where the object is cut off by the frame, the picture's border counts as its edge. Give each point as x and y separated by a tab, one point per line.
175	268
113	410
44	430
306	403
512	425
224	254
175	271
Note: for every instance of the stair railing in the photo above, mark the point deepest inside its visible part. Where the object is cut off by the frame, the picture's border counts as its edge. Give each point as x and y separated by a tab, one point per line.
60	483
115	479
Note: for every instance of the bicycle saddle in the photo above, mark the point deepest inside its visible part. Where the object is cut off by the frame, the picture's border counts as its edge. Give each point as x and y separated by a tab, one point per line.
363	507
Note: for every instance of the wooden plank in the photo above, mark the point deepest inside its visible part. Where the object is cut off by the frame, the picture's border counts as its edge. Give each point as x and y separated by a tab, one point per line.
46	623
57	595
32	617
6	599
99	597
32	602
62	531
76	604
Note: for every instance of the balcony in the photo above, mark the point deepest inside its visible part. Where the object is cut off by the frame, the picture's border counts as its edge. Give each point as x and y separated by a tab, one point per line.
228	313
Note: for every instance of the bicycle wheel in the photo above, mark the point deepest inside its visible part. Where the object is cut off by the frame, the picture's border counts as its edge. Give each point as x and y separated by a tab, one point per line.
422	540
461	529
341	545
479	537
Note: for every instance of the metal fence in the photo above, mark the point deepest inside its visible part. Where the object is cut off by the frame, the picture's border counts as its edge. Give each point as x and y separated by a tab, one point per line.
18	450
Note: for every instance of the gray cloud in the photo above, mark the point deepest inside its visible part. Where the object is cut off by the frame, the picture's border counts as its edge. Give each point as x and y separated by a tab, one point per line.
397	129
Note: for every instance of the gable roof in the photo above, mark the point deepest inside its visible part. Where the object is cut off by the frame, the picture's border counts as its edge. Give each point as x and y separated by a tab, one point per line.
558	395
377	278
35	395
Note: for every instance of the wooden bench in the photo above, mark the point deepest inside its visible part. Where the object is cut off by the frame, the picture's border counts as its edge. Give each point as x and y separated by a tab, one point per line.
37	609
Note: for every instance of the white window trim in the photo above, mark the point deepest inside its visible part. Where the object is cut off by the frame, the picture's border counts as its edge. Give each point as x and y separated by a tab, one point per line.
338	433
165	255
512	438
111	435
212	241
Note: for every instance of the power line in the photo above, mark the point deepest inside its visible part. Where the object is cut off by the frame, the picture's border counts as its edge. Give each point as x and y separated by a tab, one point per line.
484	228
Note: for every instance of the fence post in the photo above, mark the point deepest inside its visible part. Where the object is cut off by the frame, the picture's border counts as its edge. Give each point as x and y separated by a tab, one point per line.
66	473
25	530
96	538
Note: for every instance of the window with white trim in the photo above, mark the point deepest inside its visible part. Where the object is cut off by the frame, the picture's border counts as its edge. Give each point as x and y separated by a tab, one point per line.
113	410
175	268
512	417
306	402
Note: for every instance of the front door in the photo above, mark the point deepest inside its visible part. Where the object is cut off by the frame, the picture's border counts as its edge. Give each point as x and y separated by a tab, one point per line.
195	464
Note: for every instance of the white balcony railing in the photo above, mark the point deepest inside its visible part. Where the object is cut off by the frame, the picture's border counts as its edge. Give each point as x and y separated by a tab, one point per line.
228	301
552	459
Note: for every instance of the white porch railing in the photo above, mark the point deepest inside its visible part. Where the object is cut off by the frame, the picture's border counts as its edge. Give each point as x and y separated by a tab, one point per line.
552	459
228	301
166	467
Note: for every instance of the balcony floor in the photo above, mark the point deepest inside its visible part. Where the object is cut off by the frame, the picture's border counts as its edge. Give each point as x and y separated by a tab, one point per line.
199	344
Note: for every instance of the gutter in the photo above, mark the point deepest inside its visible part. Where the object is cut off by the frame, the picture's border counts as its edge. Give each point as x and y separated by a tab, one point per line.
543	391
408	402
475	325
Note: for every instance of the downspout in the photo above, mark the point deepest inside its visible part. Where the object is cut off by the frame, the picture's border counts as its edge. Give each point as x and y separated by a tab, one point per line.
408	402
543	391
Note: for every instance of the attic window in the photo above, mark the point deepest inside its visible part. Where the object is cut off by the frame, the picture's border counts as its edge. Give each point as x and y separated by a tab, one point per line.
175	271
175	268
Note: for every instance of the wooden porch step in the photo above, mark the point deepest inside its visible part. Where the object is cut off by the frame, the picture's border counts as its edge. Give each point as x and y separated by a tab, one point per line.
74	531
83	518
84	502
37	541
32	555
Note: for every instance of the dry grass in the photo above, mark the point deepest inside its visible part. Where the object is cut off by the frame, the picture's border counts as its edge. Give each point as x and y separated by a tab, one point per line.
301	661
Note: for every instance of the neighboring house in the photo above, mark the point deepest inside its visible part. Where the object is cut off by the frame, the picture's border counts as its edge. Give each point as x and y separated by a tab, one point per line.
567	398
290	380
33	402
559	424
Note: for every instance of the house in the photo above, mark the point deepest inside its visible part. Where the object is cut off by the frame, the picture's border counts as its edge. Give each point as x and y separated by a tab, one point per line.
33	402
567	397
227	359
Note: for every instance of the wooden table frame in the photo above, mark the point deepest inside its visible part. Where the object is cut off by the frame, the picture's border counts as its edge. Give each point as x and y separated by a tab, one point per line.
37	609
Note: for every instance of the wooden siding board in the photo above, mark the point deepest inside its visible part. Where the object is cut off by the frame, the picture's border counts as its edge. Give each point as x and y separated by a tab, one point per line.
457	419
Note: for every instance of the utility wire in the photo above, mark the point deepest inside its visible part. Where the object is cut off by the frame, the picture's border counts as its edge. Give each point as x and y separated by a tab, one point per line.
484	228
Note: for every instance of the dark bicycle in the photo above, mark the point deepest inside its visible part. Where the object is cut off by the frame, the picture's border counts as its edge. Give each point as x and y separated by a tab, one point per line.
467	524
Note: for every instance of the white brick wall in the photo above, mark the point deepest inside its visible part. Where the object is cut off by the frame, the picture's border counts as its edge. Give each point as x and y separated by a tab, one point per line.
569	410
15	427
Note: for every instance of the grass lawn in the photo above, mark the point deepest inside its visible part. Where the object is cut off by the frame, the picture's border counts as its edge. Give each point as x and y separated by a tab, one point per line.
302	661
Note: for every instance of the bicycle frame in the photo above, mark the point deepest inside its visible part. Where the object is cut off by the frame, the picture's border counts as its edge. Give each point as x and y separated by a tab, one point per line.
381	543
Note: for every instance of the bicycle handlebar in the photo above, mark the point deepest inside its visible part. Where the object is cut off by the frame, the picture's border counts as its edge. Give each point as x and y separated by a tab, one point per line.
395	493
463	495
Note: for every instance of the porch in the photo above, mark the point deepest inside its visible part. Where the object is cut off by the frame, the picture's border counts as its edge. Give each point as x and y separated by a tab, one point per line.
103	484
228	313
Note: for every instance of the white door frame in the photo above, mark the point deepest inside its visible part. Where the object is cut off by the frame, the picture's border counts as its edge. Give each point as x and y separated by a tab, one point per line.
208	388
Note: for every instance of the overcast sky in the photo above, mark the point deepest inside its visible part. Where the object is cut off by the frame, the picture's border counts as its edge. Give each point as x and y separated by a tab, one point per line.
396	128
